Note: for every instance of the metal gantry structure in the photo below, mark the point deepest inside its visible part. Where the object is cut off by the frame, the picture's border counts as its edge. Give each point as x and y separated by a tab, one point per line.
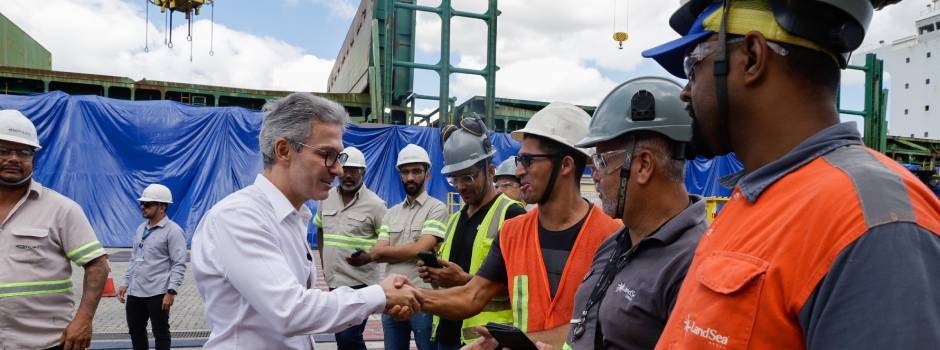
875	107
407	10
378	58
922	155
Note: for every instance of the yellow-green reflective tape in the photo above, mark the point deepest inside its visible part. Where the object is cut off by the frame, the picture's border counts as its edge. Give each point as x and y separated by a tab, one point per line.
349	239
348	242
567	347
520	302
434	226
33	288
317	221
347	245
85	258
383	232
84	250
435	223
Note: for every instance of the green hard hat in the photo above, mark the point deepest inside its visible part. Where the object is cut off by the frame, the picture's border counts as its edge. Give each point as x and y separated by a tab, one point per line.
641	104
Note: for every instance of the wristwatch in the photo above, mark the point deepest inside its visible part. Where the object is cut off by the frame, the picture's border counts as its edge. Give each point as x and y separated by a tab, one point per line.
171	291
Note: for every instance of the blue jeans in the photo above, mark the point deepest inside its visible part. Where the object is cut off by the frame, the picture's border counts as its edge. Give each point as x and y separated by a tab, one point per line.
398	333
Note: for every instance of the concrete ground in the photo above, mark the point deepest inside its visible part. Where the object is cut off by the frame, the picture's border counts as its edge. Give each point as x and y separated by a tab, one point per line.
187	318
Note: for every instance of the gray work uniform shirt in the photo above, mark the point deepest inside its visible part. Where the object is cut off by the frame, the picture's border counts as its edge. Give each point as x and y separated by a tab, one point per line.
40	239
158	261
406	222
638	302
345	228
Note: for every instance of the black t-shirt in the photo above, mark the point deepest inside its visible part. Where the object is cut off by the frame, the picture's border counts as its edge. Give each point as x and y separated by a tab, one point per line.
448	332
556	246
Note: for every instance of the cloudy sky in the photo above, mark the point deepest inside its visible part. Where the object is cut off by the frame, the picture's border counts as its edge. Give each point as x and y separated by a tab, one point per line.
547	49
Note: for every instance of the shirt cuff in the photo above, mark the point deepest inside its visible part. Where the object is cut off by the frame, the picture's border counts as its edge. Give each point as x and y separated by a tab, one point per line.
374	297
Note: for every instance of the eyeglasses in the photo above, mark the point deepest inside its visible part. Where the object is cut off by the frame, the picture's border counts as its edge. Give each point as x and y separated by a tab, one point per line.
525	160
702	51
22	153
147	205
602	161
330	157
465	179
507	184
705	49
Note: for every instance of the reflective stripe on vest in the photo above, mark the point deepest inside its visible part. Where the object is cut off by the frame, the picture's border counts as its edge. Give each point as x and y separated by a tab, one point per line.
534	308
34	288
520	295
336	240
498	309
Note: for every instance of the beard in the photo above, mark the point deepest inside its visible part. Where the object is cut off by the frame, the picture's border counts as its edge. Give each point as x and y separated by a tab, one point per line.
699	146
609	205
413	188
16	184
350	188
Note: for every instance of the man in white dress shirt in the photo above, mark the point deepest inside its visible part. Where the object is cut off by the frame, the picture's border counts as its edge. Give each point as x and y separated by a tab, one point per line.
250	256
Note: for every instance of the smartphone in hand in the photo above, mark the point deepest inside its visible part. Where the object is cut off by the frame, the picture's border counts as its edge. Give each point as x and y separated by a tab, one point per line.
429	259
509	336
358	252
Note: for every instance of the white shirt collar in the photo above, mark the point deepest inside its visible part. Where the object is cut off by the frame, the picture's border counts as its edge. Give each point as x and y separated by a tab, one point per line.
282	206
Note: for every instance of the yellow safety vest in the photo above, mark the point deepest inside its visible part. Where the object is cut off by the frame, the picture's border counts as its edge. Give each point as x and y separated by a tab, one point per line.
498	310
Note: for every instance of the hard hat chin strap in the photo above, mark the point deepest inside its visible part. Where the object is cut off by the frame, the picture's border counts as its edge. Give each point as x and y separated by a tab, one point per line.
721	79
624	177
551	182
17	184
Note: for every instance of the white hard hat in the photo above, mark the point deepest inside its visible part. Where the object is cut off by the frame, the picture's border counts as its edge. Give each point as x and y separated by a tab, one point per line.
559	121
356	158
507	167
413	153
156	193
15	127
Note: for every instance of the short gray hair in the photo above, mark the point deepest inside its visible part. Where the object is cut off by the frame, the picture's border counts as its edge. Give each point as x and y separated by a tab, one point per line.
290	117
662	149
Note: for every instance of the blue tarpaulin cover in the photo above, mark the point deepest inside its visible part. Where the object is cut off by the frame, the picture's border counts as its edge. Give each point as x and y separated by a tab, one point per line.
102	152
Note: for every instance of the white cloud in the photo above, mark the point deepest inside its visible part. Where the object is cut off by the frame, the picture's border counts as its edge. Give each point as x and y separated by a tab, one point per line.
570	81
894	22
547	49
344	9
107	37
551	49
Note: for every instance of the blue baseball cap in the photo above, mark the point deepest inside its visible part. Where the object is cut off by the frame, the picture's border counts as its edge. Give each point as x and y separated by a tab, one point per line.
671	54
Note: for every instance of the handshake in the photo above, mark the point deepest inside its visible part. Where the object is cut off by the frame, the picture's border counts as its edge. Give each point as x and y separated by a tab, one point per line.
402	299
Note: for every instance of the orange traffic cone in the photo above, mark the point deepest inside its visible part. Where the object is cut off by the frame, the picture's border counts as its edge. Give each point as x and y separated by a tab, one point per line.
109	288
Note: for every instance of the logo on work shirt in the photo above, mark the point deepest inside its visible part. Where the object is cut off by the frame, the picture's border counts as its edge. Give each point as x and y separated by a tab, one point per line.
628	293
709	334
26	247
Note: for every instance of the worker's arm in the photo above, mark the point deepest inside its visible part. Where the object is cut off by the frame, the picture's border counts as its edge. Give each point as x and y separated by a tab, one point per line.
554	337
83	249
383	252
461	302
433	231
447	276
894	254
77	334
